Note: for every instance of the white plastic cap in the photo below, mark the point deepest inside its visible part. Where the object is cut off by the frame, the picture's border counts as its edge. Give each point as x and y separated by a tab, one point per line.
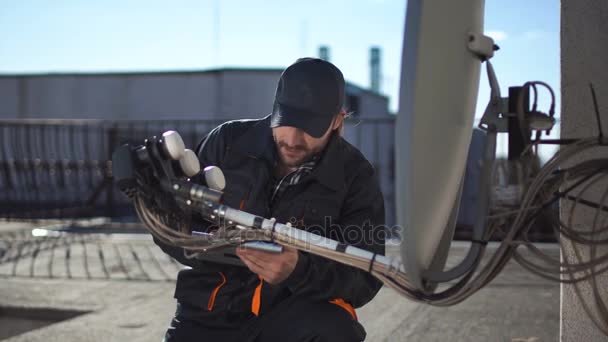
173	145
215	178
189	163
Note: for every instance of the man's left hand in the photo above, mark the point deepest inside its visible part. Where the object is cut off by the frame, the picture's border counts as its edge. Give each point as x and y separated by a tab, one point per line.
272	267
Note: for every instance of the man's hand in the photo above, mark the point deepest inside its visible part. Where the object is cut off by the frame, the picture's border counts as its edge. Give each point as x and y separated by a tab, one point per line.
272	267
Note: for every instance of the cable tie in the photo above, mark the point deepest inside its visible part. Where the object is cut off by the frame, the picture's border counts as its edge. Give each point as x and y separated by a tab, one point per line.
341	247
257	222
371	263
481	242
274	224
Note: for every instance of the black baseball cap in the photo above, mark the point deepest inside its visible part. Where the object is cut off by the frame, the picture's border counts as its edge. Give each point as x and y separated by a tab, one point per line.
309	95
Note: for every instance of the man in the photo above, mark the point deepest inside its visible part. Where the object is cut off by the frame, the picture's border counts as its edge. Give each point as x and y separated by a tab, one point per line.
292	165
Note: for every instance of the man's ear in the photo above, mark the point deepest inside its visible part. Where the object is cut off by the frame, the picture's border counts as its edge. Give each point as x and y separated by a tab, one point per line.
339	119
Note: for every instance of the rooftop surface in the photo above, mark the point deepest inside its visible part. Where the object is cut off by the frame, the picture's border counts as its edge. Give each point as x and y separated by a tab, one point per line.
109	287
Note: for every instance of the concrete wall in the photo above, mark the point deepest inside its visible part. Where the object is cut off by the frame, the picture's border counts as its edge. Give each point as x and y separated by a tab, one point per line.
184	96
247	94
216	94
151	96
584	53
9	97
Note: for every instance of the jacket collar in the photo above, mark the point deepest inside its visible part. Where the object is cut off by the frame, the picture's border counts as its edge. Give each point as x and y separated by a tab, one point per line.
257	142
330	169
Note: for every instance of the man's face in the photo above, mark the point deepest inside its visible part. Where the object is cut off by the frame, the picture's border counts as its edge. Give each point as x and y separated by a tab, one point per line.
295	146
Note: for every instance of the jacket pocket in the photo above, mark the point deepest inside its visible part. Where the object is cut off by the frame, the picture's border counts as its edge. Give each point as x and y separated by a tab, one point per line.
199	290
211	302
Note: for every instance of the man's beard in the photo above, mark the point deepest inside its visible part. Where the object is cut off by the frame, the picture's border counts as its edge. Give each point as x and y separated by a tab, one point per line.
303	154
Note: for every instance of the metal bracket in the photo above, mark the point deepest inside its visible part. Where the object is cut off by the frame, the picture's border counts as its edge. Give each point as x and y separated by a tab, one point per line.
497	110
482	46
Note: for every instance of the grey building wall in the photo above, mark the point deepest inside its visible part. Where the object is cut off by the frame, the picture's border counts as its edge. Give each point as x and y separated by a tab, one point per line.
109	96
584	52
375	138
366	103
213	94
217	95
9	97
247	93
167	96
372	105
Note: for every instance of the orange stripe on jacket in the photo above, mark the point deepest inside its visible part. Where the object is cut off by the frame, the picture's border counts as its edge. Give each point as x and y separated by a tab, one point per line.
211	302
256	300
341	303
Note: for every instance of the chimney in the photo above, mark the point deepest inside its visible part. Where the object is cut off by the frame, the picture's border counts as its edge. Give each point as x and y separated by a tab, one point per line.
324	52
374	65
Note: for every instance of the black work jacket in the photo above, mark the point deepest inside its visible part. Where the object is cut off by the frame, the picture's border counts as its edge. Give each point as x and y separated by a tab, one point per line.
340	199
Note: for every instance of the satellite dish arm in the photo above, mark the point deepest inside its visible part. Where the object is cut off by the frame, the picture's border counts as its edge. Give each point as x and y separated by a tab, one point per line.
479	228
484	48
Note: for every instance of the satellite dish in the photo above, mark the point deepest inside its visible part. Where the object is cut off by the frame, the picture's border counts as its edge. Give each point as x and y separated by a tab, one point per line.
439	84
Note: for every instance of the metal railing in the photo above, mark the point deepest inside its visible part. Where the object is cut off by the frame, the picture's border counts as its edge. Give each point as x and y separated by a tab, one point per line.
62	168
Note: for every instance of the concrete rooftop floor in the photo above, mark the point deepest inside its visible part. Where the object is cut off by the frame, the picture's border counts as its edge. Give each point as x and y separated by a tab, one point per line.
123	286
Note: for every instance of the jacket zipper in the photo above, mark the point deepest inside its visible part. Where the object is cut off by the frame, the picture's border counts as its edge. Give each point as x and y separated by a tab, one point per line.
211	302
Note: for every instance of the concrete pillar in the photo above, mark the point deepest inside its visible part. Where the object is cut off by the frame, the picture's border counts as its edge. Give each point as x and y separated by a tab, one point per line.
584	60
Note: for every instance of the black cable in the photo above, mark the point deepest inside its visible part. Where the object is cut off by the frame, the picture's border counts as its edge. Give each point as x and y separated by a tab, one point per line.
535	103
481	242
578	267
557	196
567	231
575	236
557	141
597	112
274	227
371	263
526	265
571	216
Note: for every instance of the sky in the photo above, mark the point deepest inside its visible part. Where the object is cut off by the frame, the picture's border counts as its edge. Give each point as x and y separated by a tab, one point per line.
41	36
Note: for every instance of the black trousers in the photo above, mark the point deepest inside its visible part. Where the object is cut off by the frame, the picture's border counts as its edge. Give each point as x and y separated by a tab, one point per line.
294	320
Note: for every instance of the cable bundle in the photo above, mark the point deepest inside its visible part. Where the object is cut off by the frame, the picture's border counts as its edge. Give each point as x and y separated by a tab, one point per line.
163	207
